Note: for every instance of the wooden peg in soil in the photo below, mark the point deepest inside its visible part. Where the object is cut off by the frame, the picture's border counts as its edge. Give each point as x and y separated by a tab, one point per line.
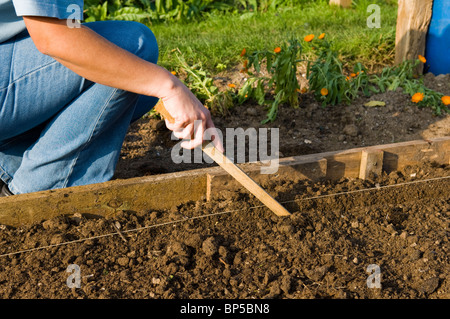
231	168
371	162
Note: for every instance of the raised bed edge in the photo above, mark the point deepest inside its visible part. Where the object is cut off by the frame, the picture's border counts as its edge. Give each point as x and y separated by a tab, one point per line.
168	190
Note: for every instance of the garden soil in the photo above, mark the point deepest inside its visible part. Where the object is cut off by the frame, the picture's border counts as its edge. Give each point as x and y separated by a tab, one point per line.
378	241
383	242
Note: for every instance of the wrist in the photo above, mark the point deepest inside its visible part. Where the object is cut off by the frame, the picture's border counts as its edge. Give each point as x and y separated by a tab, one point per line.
168	85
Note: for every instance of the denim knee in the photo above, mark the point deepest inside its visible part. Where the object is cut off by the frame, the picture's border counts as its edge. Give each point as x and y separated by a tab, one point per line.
132	36
148	45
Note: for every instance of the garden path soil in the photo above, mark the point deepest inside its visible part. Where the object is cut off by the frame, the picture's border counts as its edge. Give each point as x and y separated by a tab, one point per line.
245	251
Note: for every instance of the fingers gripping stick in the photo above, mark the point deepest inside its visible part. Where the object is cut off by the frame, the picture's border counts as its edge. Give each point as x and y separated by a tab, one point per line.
224	162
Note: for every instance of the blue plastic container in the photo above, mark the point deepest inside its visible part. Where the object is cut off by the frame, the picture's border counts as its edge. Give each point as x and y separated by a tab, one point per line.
437	50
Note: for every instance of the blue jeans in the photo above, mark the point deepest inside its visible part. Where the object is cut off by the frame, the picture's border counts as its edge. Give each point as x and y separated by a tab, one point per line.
58	129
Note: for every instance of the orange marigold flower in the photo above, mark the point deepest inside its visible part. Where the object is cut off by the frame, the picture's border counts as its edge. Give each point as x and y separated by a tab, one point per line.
231	85
446	100
243	52
352	75
347	78
324	92
174	73
309	37
418	97
277	50
322	36
422	59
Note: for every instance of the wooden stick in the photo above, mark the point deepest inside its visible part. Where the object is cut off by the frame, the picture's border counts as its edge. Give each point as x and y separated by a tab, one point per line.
224	162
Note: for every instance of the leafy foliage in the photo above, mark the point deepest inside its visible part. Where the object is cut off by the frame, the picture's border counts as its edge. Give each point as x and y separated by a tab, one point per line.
403	76
281	65
163	10
95	10
327	72
328	81
201	84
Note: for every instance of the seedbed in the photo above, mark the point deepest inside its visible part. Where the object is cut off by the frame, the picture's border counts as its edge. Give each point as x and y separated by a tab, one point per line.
233	247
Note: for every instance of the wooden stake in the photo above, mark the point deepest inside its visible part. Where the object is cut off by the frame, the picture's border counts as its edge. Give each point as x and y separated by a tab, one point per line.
224	162
413	20
371	162
244	179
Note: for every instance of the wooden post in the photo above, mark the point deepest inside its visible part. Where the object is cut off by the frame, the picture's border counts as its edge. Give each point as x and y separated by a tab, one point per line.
342	3
413	20
371	162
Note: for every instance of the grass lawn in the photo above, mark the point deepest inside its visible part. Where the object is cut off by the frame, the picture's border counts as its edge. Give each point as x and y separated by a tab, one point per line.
217	40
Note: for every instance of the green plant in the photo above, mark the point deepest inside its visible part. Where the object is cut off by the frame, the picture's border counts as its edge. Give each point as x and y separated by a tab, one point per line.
325	74
404	76
330	84
281	80
262	5
201	84
95	10
146	10
394	76
431	98
170	10
184	10
327	79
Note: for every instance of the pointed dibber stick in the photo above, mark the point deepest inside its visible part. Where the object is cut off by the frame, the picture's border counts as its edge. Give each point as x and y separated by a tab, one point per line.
232	169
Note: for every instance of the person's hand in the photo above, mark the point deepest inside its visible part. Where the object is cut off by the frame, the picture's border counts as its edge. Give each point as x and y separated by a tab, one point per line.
191	118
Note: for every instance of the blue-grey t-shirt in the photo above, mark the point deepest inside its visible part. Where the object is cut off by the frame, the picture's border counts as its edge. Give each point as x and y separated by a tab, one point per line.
11	12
